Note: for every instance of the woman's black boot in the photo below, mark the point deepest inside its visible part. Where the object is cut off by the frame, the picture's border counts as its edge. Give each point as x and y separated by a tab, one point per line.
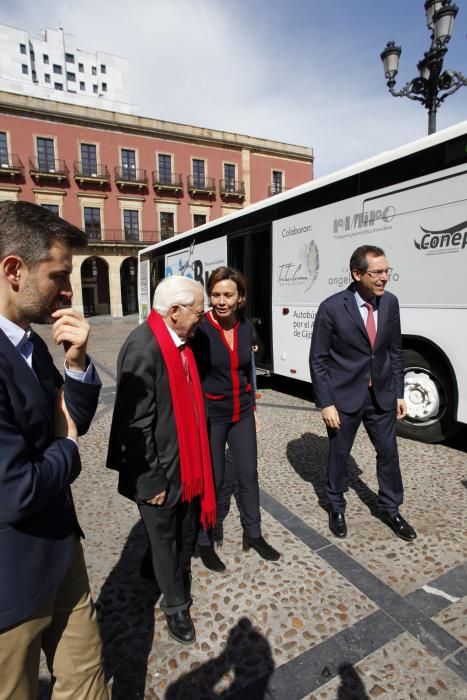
209	557
260	545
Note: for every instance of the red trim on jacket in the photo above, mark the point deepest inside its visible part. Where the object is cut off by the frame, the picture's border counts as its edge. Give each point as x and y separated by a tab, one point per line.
233	355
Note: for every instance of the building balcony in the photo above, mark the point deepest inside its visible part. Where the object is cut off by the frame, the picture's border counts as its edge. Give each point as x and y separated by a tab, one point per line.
10	164
232	188
166	234
85	172
169	182
131	177
201	185
48	168
119	236
276	189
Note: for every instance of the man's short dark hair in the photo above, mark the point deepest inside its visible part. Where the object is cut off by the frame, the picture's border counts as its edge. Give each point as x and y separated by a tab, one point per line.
29	231
359	259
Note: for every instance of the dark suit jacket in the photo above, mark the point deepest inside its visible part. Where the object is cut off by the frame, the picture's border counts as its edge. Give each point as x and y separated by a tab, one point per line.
143	445
37	518
342	360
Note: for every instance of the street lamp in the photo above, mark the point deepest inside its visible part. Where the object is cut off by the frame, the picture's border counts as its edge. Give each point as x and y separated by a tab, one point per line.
432	86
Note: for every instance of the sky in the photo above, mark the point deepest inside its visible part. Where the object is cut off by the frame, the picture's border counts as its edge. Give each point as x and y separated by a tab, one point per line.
306	72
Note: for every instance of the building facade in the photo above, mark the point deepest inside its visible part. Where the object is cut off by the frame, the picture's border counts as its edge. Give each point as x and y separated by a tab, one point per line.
130	181
54	68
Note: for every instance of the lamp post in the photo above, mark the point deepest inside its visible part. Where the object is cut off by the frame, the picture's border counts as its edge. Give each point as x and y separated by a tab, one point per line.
432	85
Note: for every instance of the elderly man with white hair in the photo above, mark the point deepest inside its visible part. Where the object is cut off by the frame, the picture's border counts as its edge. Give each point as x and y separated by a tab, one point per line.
159	442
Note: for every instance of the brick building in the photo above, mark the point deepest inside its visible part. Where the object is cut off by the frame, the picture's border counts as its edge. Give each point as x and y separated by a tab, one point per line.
129	181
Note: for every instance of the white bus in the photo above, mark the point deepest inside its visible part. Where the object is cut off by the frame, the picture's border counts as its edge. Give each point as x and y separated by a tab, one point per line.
294	249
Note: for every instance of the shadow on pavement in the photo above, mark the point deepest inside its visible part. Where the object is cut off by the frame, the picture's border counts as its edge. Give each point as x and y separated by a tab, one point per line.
459	441
247	656
351	686
286	385
125	613
308	457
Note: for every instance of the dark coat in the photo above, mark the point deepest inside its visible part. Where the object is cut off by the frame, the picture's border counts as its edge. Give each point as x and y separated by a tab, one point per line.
342	360
37	517
143	445
225	374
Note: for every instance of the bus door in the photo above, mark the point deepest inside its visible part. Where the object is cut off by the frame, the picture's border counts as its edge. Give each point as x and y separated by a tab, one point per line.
157	273
250	252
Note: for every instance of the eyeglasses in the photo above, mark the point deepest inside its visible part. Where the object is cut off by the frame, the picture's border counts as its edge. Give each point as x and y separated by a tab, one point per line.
374	274
199	314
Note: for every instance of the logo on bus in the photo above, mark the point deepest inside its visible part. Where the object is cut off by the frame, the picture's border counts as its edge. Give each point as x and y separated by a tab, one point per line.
447	240
363	220
302	272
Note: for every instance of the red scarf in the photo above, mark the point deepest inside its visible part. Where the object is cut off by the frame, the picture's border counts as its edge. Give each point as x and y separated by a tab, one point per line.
193	441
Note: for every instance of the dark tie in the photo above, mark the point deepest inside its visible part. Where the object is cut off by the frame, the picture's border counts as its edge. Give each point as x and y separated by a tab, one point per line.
25	347
370	323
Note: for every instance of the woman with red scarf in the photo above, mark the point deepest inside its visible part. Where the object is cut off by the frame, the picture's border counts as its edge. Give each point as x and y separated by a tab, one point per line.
222	347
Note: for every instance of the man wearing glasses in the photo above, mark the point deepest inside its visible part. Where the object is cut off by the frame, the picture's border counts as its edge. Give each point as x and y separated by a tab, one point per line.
356	364
159	443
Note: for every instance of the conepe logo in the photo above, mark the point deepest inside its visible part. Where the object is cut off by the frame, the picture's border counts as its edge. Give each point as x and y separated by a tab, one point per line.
449	240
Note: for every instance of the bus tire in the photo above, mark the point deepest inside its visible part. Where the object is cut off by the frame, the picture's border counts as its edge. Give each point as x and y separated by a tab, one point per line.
429	397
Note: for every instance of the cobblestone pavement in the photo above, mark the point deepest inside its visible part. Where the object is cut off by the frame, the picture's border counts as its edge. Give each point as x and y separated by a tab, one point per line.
366	617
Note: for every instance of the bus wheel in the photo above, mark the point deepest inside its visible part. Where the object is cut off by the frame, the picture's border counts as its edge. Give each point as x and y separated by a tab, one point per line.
429	398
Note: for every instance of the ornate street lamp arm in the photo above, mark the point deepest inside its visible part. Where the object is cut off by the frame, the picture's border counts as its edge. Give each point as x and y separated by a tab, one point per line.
450	82
407	91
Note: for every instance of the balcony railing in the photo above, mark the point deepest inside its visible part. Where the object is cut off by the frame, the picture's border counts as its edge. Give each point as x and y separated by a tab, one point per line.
94	233
10	164
121	236
87	172
135	177
200	184
166	234
167	181
131	234
232	188
276	189
48	167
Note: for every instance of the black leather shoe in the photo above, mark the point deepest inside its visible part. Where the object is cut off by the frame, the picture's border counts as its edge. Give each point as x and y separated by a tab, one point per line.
398	525
260	545
181	627
209	557
337	524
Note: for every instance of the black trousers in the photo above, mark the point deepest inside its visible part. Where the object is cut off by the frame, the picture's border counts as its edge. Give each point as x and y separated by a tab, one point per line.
241	439
171	533
381	428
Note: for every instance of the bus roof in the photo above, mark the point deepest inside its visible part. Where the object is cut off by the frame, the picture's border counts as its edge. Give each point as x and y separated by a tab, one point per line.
367	164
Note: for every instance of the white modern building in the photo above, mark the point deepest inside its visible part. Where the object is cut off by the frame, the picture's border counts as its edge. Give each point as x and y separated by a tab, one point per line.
52	67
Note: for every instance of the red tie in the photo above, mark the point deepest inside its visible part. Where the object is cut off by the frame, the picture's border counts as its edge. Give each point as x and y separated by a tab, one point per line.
370	328
370	324
185	362
188	378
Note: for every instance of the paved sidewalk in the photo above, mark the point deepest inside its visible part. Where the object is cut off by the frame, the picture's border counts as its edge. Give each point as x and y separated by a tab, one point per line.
366	617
